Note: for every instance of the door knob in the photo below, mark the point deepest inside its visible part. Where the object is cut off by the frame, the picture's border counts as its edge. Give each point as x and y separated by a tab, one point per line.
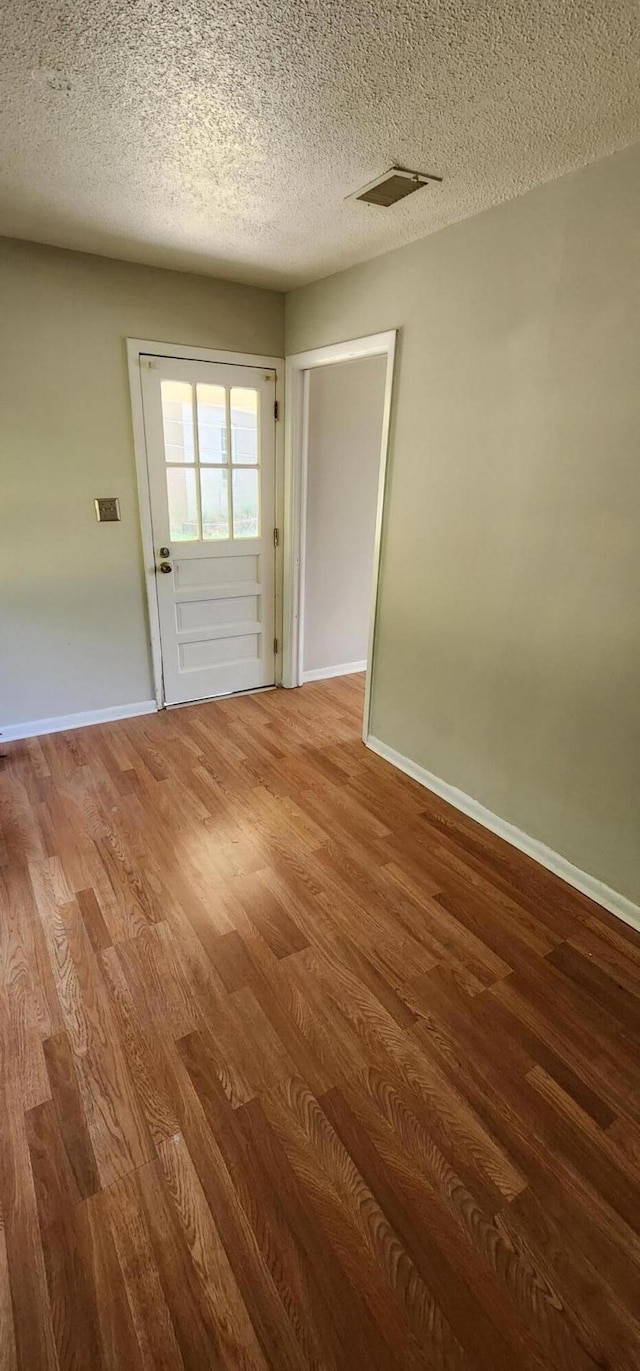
165	567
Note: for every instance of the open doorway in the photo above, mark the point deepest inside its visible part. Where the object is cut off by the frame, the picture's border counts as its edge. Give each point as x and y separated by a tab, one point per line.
338	424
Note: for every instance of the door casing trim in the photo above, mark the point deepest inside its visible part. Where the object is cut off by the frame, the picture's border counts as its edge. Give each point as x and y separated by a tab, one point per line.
137	347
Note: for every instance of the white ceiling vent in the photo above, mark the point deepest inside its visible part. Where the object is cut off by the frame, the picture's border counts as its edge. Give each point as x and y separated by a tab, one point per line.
394	185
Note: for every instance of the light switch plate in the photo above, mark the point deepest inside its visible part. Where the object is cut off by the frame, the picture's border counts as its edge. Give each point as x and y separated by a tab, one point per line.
107	510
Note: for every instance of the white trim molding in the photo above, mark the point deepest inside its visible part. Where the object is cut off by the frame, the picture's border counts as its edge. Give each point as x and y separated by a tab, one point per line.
137	348
298	367
322	673
588	885
61	723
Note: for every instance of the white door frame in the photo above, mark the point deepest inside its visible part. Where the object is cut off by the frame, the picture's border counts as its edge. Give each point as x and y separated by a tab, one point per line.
137	347
298	367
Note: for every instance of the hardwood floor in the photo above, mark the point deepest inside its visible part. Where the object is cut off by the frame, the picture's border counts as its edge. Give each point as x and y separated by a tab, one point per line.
300	1067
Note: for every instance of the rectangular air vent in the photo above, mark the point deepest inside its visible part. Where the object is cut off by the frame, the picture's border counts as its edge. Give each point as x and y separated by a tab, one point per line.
394	185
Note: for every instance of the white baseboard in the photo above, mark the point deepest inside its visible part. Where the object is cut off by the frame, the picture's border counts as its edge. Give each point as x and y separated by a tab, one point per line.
322	673
60	723
603	895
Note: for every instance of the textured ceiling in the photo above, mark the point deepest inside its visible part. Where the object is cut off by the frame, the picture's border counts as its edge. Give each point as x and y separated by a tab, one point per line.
222	136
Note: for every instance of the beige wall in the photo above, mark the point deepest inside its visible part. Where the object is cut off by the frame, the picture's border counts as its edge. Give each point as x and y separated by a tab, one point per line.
73	621
508	647
345	428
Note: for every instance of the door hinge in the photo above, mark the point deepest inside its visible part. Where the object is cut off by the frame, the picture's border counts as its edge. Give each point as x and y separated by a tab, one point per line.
276	537
275	647
276	409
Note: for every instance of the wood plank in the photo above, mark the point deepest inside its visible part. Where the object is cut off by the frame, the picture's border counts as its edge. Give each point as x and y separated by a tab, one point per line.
378	1263
151	1317
115	1121
93	920
143	1054
71	1120
196	1102
8	1353
32	1321
464	1313
176	1204
71	1298
118	1341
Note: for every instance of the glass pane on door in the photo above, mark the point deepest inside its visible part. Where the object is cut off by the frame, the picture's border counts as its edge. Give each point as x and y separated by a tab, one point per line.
212	423
177	421
183	504
246	502
244	426
214	499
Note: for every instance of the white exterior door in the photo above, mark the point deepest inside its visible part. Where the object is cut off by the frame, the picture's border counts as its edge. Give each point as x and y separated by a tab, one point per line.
210	442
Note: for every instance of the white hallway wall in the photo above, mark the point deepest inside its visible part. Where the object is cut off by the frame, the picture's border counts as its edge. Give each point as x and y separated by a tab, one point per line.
345	425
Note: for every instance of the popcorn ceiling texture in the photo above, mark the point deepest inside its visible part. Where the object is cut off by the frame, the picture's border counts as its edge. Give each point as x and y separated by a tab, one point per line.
222	137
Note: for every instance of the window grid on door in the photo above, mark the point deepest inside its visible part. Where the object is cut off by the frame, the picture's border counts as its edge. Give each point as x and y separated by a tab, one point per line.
211	499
